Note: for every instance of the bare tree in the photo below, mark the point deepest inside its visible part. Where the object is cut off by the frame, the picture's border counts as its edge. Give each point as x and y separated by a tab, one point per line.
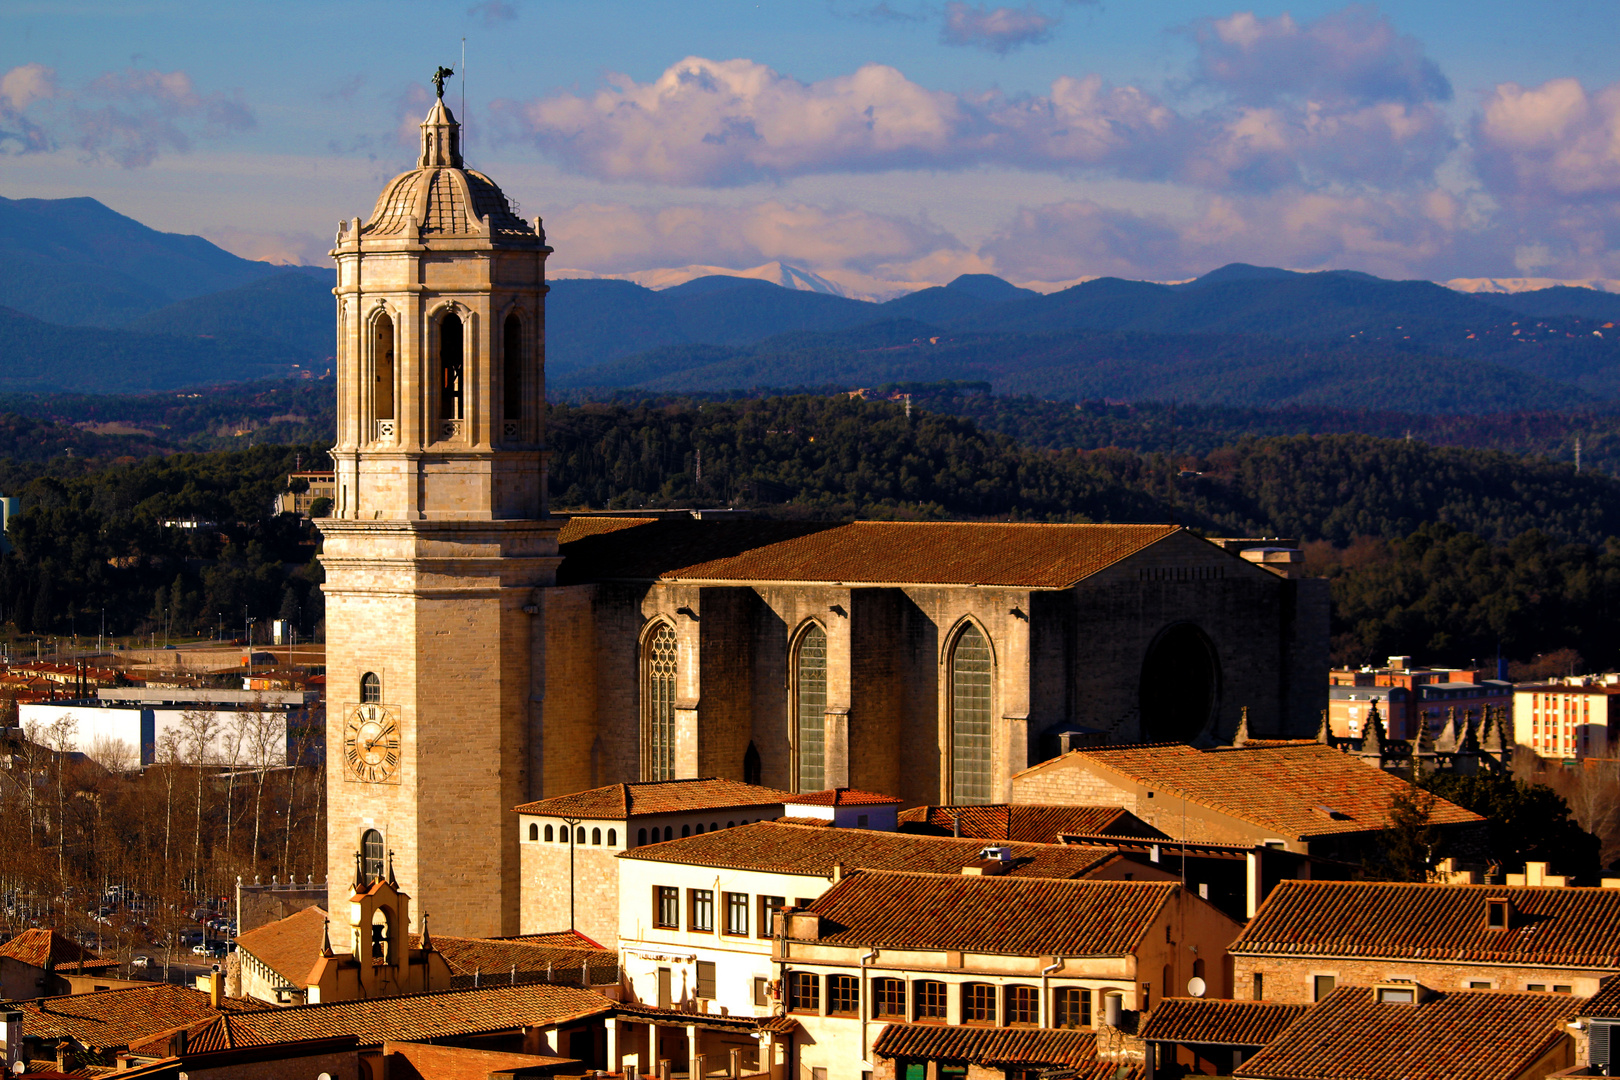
232	739
200	726
266	744
169	749
113	754
62	737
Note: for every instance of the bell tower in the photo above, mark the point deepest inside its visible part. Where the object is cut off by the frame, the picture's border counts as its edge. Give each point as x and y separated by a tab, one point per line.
439	535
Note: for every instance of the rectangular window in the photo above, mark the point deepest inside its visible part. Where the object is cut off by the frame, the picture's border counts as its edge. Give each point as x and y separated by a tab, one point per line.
843	995
1535	986
1559	988
1023	1006
1396	995
666	907
768	906
1479	986
1073	1006
930	1003
1322	987
889	999
1259	987
702	911
979	1004
804	992
762	997
705	979
737	913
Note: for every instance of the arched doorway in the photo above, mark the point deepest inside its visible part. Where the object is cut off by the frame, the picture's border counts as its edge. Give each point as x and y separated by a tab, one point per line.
1181	685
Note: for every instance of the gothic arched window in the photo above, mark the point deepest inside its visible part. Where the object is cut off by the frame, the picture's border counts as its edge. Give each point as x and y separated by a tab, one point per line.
383	367
810	710
971	769
370	688
512	368
371	856
452	369
658	705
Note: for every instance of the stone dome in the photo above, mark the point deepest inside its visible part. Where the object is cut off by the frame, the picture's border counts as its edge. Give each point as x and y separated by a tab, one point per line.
441	198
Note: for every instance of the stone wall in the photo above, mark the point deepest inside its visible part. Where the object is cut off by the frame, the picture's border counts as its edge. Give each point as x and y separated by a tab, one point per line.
1293	980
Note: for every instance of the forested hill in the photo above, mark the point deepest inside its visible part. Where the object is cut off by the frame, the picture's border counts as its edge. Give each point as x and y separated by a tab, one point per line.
1451	552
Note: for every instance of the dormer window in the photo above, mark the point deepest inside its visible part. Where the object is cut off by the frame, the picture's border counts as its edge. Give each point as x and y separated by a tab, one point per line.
1396	995
1500	914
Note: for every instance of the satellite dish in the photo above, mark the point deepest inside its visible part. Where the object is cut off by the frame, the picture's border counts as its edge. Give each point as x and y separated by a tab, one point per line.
1196	987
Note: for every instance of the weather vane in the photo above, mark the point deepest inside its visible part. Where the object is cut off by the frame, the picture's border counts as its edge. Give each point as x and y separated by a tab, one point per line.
438	79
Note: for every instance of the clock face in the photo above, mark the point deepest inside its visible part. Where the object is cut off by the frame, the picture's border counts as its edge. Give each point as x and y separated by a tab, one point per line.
371	751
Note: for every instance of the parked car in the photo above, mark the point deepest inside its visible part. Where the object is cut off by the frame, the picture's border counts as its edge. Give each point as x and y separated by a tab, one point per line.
199	950
140	963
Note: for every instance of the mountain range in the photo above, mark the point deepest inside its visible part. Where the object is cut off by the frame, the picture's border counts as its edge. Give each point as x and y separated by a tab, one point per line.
100	302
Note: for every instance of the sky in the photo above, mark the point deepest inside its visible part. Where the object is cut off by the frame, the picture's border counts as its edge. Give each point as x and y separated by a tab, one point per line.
884	144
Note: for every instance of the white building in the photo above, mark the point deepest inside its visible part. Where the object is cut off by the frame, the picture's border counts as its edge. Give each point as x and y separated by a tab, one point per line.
127	729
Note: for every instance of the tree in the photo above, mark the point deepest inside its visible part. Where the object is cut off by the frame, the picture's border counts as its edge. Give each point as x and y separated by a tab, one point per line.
1408	851
1523	822
200	726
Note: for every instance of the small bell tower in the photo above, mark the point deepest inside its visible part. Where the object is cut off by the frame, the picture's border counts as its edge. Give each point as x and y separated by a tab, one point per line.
439	534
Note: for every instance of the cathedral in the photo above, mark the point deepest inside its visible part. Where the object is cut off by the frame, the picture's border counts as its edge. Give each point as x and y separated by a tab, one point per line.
483	653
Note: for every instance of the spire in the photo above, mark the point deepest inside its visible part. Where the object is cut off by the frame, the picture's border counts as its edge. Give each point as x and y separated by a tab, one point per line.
1450	738
1242	735
1324	730
391	880
427	939
1373	736
326	936
441	139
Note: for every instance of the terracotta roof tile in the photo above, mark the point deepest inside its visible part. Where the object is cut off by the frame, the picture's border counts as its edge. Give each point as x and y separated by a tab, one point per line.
289	946
561	939
416	1017
844	797
496	958
787	848
1553	926
35	947
999	1048
868	552
1007	916
115	1018
1606	1002
1464	1035
621	801
580	526
459	1062
223	1032
1217	1022
1299	790
1037	824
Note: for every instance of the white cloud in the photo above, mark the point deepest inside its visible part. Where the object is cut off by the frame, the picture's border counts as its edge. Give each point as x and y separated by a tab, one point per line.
998	30
615	238
127	117
1350	55
1553	140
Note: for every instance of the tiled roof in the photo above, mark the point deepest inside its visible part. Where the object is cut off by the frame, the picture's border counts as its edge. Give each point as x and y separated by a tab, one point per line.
1606	1002
493	958
416	1017
843	797
289	946
35	947
783	848
1008	916
997	1047
1300	791
1463	1035
223	1032
580	526
1565	927
861	552
561	939
116	1018
621	801
1038	824
460	1062
1217	1022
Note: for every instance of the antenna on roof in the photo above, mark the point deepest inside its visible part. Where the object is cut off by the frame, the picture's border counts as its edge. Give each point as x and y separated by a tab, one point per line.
464	97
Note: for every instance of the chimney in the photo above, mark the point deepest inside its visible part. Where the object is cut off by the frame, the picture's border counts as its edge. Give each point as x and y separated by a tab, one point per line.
216	988
13	1020
837	872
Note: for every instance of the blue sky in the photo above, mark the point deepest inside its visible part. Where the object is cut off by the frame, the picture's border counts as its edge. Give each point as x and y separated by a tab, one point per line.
881	143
